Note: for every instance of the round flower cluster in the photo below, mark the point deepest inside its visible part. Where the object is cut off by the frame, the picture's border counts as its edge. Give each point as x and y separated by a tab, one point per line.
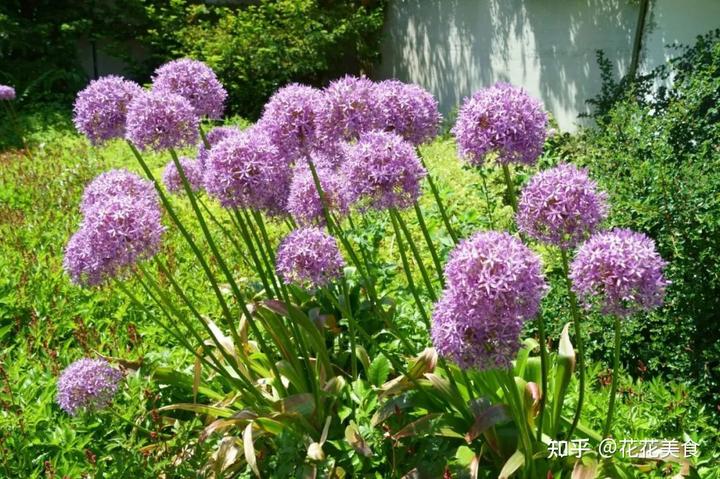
114	235
310	258
619	270
160	121
304	201
349	109
561	206
383	171
7	93
408	110
121	225
214	136
247	171
289	118
101	108
114	182
194	81
501	119
172	180
87	384
494	285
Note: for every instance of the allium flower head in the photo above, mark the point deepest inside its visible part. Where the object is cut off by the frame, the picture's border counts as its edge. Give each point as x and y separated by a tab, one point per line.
115	234
87	384
289	118
214	136
195	81
7	93
117	182
350	107
247	171
494	285
619	270
172	180
382	171
304	201
408	110
561	206
101	108
501	119
310	258
160	121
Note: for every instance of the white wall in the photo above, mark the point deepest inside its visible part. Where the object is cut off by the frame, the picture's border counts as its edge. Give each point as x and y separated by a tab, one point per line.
676	22
455	47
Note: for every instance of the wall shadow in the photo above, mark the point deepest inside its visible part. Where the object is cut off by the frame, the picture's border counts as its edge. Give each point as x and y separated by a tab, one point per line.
455	47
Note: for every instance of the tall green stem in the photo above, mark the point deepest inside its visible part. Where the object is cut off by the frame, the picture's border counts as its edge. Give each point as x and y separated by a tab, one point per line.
186	234
510	186
615	378
201	259
239	296
490	206
351	325
408	272
438	201
430	244
578	340
416	254
226	233
543	374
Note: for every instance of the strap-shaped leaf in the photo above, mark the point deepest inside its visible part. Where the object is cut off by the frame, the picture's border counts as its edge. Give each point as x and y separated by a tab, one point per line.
564	368
486	419
515	462
249	449
417	426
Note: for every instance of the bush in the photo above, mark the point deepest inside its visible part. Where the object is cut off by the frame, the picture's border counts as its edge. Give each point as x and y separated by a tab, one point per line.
256	49
253	48
656	154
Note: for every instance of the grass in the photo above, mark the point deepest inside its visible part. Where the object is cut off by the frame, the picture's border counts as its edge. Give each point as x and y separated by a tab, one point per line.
46	323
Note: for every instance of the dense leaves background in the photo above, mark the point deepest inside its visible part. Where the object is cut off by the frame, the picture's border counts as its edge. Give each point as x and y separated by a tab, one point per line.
255	47
656	152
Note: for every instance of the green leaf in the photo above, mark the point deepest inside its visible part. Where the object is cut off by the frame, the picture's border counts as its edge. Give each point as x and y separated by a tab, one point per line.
213	411
515	462
416	427
464	456
379	370
249	449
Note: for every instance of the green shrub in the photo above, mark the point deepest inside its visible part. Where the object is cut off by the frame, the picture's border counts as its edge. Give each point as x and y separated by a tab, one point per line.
258	48
656	153
255	47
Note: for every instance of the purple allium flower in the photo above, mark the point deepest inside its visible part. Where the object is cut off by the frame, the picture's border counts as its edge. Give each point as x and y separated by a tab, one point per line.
620	271
501	119
289	118
7	92
101	108
195	81
408	110
382	171
160	121
87	384
494	285
304	201
561	206
247	171
117	182
214	136
350	107
310	258
115	234
193	173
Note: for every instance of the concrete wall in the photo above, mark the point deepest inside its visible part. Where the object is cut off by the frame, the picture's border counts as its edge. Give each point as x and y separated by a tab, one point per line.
455	47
